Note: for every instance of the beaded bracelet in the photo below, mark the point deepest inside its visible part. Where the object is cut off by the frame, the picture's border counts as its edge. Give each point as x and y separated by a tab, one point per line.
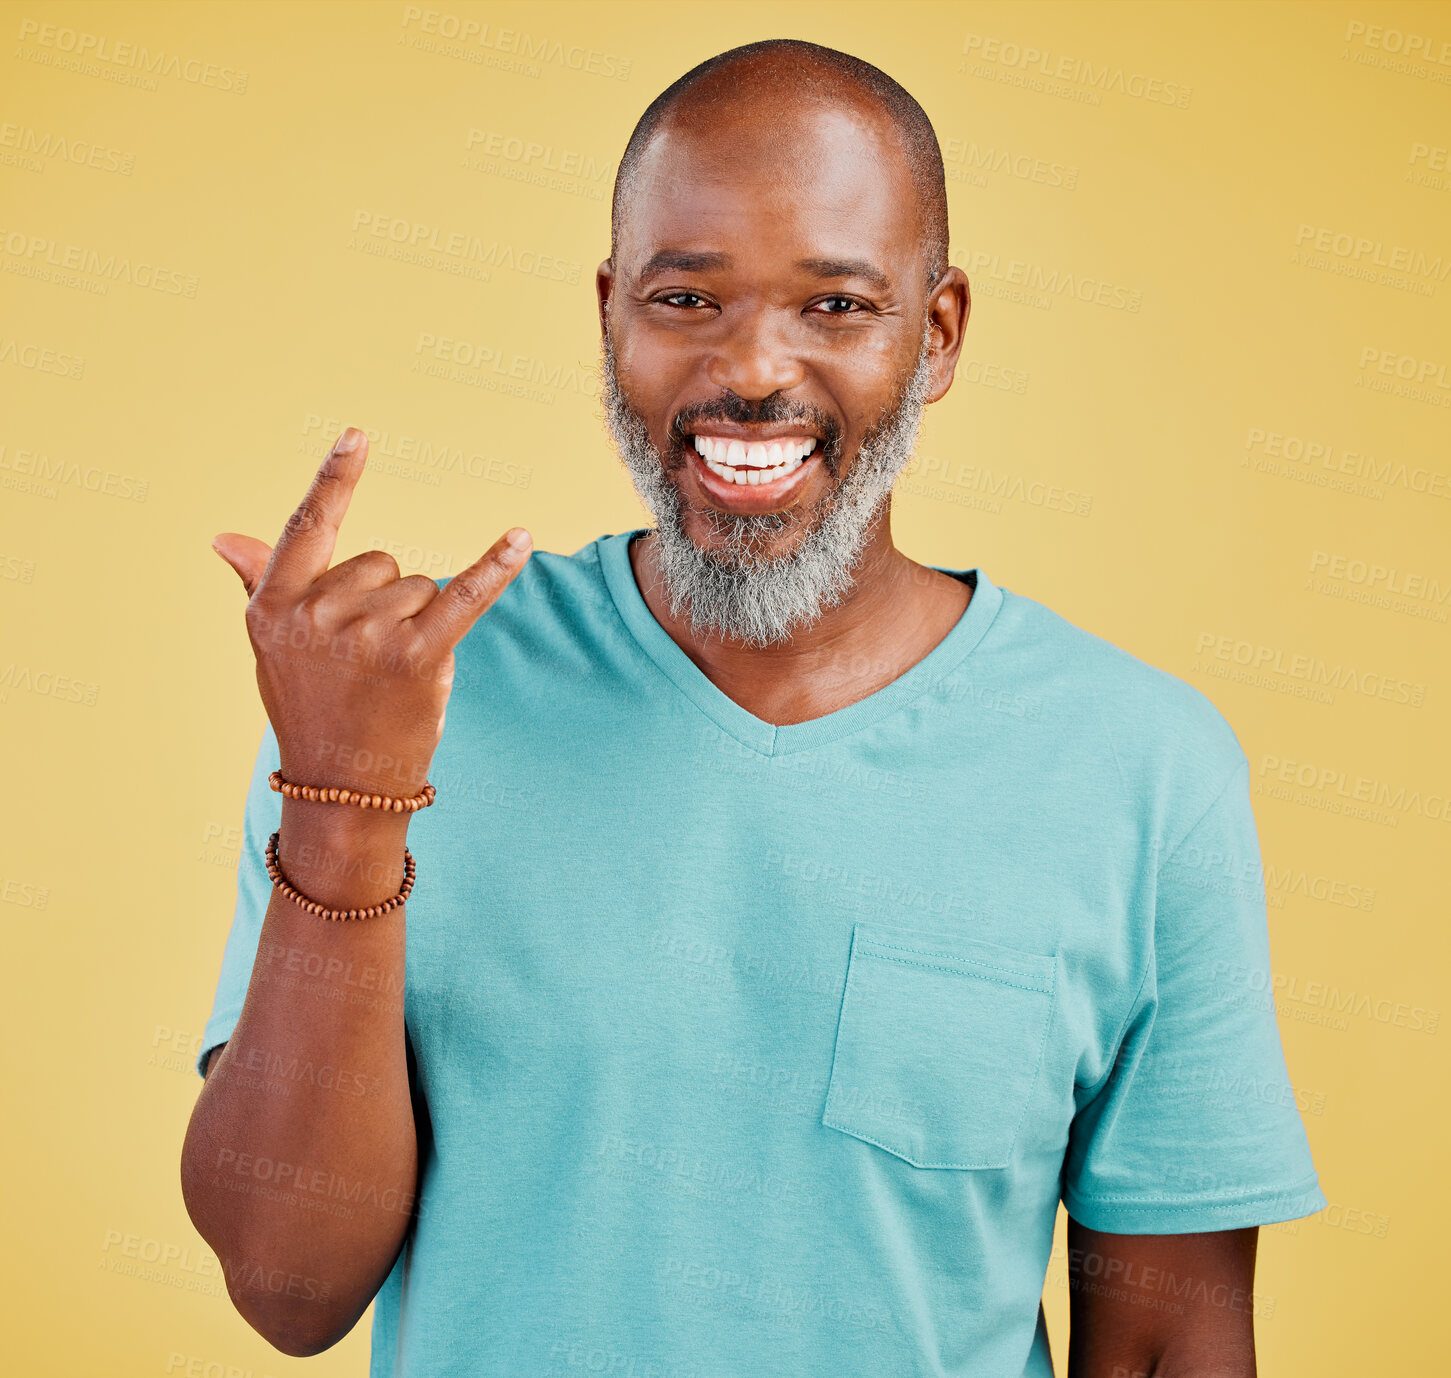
279	881
330	794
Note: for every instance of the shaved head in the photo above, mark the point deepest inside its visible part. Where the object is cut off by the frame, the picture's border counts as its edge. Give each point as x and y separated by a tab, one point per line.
807	74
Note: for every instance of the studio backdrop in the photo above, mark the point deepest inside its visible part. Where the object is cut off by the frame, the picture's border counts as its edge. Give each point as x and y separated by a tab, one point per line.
1203	411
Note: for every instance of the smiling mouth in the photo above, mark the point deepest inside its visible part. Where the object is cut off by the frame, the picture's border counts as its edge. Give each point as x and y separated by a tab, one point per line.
735	461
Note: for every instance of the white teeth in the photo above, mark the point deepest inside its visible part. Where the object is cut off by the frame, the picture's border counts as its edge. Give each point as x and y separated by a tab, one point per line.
753	476
764	455
759	462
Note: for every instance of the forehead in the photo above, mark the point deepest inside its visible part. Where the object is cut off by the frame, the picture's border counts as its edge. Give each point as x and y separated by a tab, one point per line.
774	180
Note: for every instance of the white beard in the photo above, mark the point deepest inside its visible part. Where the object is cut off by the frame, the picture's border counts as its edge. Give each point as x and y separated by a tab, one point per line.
732	590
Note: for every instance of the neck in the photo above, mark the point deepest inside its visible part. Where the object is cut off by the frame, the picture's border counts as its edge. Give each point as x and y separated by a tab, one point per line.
895	612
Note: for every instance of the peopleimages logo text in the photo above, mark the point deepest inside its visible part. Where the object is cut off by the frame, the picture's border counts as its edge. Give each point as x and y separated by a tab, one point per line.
575	57
80	45
1023	57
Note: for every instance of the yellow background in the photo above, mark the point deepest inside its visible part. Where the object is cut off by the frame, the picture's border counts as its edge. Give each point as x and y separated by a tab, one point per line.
1103	459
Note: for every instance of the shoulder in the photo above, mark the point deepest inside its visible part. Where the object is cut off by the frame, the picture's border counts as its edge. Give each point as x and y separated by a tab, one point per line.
1169	739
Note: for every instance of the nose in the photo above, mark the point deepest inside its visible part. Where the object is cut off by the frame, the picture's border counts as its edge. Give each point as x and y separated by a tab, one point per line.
754	360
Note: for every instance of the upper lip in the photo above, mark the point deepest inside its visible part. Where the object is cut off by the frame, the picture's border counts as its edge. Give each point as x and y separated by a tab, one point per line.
751	435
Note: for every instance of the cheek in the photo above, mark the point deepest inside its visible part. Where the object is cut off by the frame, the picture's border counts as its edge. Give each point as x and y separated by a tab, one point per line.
864	381
648	368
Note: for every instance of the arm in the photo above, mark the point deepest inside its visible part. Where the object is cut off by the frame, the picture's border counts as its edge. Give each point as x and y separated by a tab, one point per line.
301	1157
1190	1140
300	1162
1161	1306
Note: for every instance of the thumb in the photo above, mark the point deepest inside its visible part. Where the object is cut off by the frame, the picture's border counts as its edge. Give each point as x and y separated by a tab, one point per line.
246	554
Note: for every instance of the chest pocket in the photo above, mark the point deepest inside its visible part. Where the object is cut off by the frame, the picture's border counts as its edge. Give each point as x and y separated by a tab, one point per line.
938	1045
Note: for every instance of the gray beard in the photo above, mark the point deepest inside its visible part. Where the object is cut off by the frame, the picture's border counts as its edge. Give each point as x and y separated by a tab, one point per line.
732	590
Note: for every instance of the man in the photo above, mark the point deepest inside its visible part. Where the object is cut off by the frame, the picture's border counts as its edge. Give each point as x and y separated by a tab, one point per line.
797	924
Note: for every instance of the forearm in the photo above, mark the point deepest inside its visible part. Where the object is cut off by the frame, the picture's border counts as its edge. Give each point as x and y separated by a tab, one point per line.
1161	1306
301	1162
1185	1341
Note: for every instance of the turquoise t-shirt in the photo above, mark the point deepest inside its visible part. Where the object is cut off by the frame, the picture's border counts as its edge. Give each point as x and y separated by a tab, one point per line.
743	1049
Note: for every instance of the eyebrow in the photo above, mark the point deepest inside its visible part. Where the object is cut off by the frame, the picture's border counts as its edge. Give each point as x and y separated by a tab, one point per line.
682	261
679	261
845	268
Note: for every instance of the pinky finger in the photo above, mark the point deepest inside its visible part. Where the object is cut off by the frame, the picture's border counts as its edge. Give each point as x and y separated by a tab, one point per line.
465	598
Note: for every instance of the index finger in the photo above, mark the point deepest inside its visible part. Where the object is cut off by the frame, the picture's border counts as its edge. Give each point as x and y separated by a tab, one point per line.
306	545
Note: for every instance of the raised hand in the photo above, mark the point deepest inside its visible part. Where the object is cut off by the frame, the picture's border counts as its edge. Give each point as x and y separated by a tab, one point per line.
355	663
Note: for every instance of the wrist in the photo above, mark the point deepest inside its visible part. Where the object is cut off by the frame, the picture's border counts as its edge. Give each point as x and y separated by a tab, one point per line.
335	765
341	855
363	799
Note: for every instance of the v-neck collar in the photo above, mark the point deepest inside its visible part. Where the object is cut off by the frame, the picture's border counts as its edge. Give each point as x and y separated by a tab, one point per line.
769	739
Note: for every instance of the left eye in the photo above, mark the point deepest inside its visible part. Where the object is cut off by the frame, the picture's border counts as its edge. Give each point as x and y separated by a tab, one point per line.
682	299
839	306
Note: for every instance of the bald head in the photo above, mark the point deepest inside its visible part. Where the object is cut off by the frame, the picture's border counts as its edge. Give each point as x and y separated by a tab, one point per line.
782	75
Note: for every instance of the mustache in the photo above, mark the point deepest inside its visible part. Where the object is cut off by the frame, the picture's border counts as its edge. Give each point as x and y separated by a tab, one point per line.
774	410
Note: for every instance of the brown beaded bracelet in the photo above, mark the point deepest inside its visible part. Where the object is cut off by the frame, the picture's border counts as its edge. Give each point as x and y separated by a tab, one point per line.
313	907
331	794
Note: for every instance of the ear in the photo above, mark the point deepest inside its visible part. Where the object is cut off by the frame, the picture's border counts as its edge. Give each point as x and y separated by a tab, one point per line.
604	285
947	310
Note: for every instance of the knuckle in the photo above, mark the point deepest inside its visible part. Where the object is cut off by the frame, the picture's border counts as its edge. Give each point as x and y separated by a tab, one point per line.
329	474
269	631
382	562
258	614
307	518
407	653
470	589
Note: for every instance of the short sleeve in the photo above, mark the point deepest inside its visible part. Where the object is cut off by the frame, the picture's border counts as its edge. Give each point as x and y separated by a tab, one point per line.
1196	1126
261	817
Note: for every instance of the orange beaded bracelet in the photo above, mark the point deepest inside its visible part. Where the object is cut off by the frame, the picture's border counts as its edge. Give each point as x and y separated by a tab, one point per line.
330	794
279	882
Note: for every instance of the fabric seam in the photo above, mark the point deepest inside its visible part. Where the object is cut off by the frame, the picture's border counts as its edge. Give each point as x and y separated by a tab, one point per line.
1092	1091
956	971
771	753
1149	961
1208	1201
1208	809
841	1126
